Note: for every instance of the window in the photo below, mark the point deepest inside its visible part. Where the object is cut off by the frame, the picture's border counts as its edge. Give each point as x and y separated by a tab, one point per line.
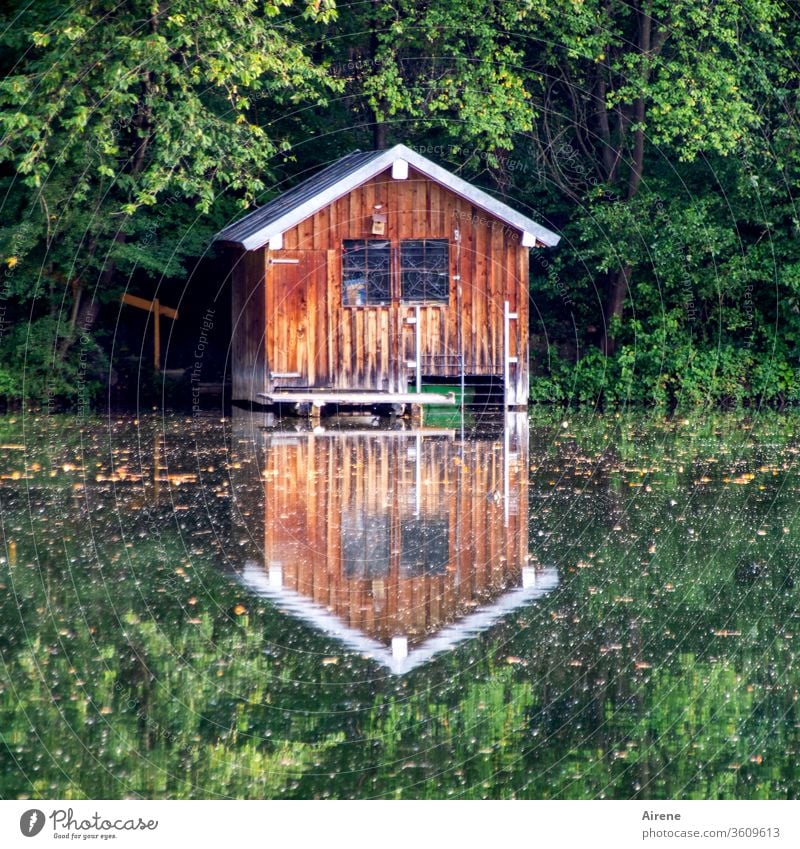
424	270
366	275
424	546
366	549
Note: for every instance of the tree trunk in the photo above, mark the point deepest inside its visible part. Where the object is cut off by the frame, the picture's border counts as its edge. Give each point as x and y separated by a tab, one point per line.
378	134
379	125
616	301
620	285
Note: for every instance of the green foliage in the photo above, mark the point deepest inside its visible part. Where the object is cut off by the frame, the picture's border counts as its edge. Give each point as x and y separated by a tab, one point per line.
150	100
75	384
659	138
120	124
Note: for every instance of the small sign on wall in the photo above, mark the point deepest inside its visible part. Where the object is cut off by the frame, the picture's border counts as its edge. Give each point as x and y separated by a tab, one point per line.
378	223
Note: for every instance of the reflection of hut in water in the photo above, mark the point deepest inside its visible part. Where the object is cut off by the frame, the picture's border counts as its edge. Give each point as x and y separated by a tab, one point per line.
400	543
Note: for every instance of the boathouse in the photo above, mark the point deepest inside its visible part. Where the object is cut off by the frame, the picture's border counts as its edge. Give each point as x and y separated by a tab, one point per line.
377	278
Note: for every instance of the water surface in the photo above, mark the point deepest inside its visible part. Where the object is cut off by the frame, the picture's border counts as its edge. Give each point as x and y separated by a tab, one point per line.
596	607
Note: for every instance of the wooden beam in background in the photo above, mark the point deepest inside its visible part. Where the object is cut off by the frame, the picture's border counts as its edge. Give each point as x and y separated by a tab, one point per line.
158	310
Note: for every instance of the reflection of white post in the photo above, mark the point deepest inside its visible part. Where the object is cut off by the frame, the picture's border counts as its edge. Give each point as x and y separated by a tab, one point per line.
399	648
528	576
506	464
418	475
275	574
378	595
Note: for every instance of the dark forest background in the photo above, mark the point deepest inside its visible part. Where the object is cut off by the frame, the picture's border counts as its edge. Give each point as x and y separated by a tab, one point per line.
659	137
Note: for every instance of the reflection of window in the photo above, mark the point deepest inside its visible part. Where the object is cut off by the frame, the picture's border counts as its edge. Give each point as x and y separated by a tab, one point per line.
365	272
365	544
424	270
424	546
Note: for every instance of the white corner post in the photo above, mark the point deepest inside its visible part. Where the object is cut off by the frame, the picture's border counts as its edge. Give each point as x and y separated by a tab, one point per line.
510	395
416	363
400	648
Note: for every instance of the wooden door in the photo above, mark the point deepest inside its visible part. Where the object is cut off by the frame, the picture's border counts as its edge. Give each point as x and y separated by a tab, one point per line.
429	344
367	356
296	326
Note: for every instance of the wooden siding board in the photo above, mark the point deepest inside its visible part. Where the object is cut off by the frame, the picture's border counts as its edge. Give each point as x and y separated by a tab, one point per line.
248	292
349	348
303	527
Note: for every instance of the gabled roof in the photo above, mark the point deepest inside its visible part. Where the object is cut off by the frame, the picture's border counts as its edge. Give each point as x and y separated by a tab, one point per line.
295	205
256	578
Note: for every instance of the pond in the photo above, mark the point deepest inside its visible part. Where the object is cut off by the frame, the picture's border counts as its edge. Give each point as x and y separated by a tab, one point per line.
556	606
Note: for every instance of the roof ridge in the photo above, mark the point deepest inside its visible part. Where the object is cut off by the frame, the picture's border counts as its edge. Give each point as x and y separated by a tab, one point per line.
295	204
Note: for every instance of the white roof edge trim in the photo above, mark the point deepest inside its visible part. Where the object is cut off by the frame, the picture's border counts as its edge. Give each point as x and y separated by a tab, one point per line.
319	201
526	226
478	196
294	604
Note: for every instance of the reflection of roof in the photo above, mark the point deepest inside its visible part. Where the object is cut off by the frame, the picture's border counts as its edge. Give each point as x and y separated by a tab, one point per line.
536	583
298	203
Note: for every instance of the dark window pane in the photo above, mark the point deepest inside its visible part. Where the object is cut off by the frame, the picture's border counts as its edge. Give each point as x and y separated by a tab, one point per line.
365	544
425	270
365	272
424	546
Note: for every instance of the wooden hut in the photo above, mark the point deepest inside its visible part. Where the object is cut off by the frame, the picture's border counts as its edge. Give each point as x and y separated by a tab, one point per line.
399	543
376	276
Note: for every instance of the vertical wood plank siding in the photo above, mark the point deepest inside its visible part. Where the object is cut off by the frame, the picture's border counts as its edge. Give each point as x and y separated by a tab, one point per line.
343	544
248	344
293	321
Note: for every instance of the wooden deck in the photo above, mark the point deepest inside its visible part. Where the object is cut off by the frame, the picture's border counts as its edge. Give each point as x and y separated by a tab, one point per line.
319	398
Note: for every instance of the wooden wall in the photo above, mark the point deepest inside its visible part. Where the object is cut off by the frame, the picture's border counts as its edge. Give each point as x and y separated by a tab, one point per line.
248	354
396	533
307	330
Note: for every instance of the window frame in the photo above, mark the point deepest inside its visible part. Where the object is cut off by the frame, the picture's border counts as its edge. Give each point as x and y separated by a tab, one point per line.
383	301
425	300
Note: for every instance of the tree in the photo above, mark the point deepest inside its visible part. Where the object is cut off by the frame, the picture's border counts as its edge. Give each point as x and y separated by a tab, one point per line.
432	69
115	118
620	85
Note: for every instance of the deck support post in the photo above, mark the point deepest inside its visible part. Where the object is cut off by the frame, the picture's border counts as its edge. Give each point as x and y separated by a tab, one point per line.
157	311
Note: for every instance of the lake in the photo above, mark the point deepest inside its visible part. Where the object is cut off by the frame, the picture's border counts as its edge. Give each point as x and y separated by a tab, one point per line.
566	605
